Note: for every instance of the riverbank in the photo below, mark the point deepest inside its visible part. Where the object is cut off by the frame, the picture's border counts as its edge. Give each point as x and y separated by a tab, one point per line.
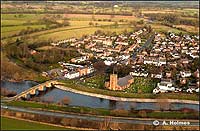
115	98
94	122
155	114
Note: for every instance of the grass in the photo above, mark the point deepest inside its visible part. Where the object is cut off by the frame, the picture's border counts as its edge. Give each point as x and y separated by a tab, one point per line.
96	81
79	32
163	28
75	109
23	17
76	21
15	124
9	31
142	85
18	28
12	22
188	28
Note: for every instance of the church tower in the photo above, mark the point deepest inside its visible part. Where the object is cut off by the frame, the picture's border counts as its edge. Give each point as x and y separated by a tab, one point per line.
113	82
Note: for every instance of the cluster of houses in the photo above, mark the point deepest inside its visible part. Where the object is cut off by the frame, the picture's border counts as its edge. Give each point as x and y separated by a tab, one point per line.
111	49
171	50
72	71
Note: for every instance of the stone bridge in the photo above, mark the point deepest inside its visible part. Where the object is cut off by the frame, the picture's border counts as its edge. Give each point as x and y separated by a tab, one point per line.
35	90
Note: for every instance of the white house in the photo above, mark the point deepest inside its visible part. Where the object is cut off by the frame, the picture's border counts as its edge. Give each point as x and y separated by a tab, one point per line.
185	73
72	75
163	87
109	62
148	61
90	70
138	74
158	75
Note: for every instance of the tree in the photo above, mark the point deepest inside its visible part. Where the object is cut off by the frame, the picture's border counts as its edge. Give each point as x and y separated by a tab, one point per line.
100	66
91	23
66	22
140	22
142	113
116	24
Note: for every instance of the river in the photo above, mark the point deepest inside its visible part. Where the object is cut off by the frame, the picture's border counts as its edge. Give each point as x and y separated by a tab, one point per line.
57	95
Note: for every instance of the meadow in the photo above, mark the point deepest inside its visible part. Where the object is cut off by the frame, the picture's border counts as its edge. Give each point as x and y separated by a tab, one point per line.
15	124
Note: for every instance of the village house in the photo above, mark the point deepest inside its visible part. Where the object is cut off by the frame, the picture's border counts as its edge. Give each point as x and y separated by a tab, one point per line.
72	75
184	61
168	74
79	59
164	86
157	75
32	52
172	64
139	73
183	81
196	73
107	42
185	73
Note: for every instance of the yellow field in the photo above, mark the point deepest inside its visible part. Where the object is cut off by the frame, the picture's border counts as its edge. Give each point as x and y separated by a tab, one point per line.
80	32
189	28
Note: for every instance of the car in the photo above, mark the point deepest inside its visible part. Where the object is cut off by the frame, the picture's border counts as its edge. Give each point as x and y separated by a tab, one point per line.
5	107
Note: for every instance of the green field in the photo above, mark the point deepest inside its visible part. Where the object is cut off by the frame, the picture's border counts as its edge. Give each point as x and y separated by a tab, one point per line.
14	124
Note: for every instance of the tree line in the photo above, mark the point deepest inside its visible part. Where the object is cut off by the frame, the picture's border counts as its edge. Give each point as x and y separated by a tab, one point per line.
41	60
172	19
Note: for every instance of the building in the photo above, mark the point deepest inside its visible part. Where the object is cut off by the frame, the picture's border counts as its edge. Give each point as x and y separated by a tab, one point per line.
72	75
185	73
164	86
119	84
85	70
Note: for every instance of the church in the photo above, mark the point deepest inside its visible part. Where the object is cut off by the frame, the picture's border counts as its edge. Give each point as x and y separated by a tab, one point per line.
119	84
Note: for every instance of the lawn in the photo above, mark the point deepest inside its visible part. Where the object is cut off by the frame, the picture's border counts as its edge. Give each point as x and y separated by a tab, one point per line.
142	85
96	81
15	124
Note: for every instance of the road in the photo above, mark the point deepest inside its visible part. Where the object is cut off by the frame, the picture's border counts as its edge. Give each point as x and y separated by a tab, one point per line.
145	45
145	121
